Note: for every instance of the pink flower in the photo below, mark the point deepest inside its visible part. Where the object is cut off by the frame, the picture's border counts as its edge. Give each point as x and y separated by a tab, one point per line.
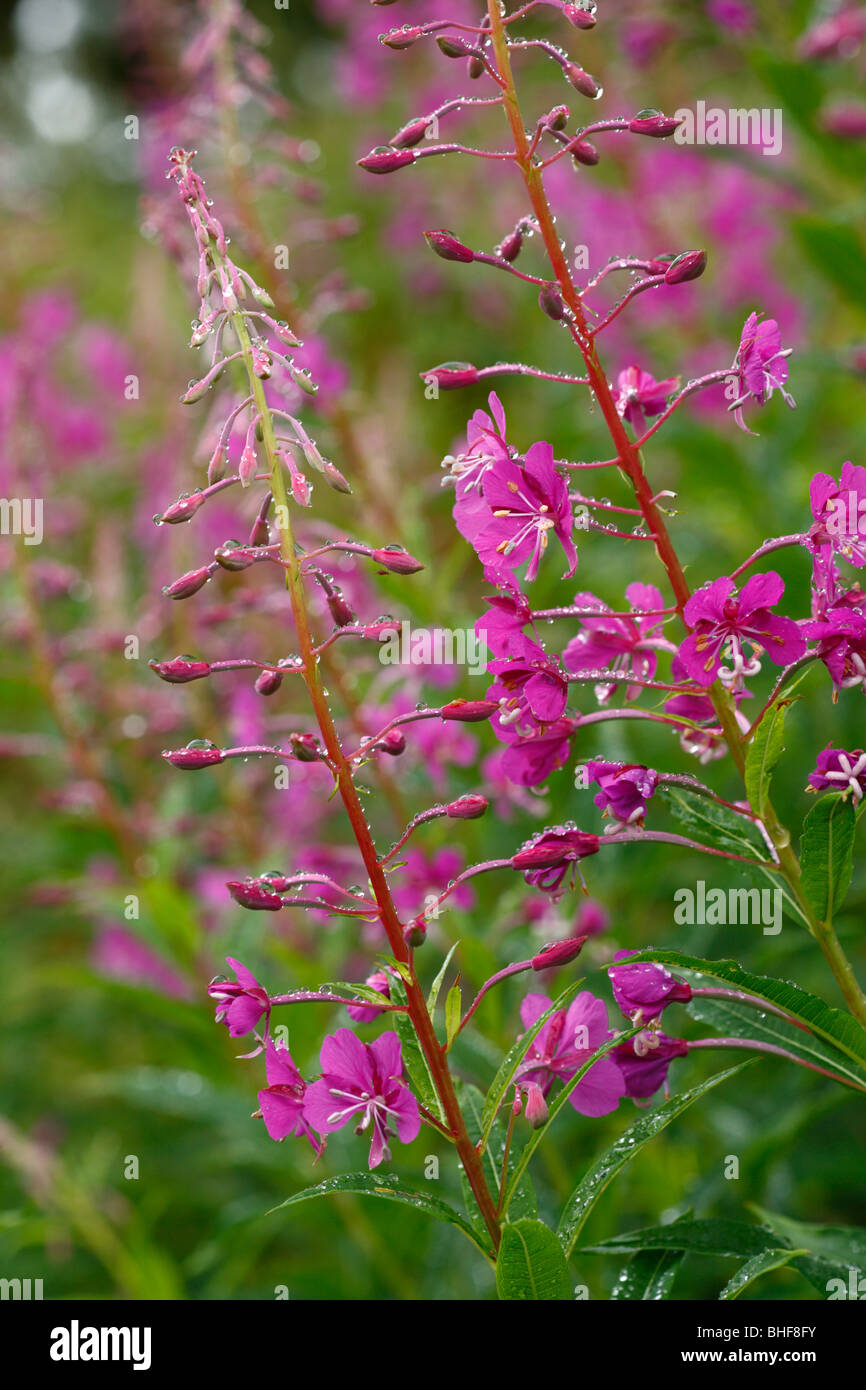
839	510
841	638
362	1082
282	1100
838	771
240	1005
625	790
528	761
761	365
721	618
546	858
617	644
643	1062
524	504
638	395
564	1044
531	688
501	627
645	989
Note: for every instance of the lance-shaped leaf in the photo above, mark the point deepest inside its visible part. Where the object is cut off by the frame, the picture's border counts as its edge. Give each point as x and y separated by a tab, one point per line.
413	1058
390	1189
827	854
733	1020
753	1269
530	1263
765	749
623	1150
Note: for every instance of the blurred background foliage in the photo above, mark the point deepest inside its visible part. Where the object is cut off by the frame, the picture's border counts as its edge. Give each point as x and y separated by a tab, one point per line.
108	1045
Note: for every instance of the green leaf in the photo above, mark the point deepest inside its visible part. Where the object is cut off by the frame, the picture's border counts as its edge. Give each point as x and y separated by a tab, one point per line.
390	1189
835	1026
514	1056
623	1150
453	1010
352	993
711	823
845	1244
754	1268
765	749
433	996
530	1264
649	1275
718	1236
413	1058
732	1020
827	854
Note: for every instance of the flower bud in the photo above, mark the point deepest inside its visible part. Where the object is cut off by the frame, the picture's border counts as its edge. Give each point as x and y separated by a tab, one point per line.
475	67
558	953
535	1108
581	81
399	38
509	248
339	609
410	134
453	47
188	584
582	17
450	376
654	123
198	753
689	266
247	466
268	682
227	556
469	711
217	466
557	119
583	152
385	160
396	559
551	303
394	742
468	807
180	670
334	478
415	932
255	896
540	856
446	245
305	748
181	510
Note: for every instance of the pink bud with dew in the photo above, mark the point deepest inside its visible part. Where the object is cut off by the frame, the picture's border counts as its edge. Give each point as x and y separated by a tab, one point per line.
469	711
558	953
551	303
268	682
654	123
181	510
410	134
468	807
396	559
455	48
305	748
247	466
199	753
535	1108
188	584
255	896
581	81
217	466
415	932
584	152
540	856
578	15
233	555
385	160
400	38
450	376
446	245
339	609
181	669
689	266
510	247
394	742
557	119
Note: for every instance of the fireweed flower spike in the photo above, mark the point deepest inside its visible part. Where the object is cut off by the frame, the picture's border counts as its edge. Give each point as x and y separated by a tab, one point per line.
362	1085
